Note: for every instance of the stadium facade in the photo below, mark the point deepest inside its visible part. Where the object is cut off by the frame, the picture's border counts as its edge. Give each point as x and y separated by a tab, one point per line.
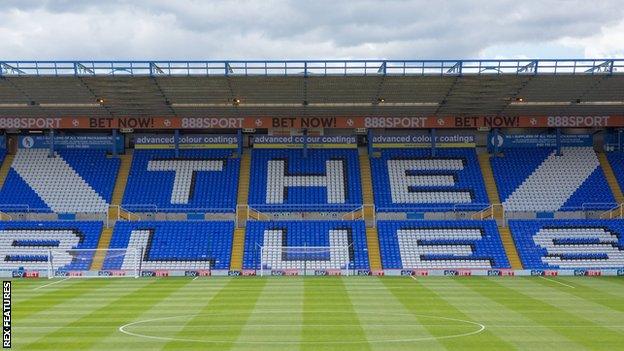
440	167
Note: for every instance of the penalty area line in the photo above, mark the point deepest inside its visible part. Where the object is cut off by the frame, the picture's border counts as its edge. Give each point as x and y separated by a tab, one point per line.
196	277
43	286
558	282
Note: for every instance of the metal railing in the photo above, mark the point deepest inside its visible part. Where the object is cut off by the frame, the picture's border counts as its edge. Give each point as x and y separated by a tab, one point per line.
314	67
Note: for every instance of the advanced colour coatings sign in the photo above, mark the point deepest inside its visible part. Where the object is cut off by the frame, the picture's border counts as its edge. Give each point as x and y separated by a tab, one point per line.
309	122
102	142
538	140
297	141
188	141
416	141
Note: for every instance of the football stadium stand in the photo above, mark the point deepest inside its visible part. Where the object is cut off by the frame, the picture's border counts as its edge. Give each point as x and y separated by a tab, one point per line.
537	179
196	181
412	179
27	244
171	245
569	244
441	245
285	180
74	181
312	234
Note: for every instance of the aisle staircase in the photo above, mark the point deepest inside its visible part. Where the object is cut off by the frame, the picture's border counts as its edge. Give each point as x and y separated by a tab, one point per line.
120	187
100	254
496	209
4	172
368	212
242	212
510	247
4	169
611	178
617	211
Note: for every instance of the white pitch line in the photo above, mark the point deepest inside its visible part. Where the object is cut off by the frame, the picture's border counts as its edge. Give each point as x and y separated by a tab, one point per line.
43	286
558	282
411	276
196	277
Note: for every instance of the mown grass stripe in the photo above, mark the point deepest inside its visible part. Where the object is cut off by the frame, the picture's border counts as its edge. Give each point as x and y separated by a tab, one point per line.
109	316
423	300
46	299
376	306
588	293
184	301
545	314
277	317
326	301
497	318
233	304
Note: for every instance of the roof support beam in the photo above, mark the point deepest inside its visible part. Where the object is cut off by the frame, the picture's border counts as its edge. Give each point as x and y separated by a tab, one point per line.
5	68
530	67
604	67
457	68
80	69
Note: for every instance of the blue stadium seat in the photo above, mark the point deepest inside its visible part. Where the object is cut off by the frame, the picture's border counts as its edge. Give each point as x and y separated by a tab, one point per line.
569	243
27	244
326	180
211	189
535	179
412	180
441	245
174	244
306	234
74	181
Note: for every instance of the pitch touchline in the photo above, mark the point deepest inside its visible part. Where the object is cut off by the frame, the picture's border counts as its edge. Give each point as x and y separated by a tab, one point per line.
43	286
558	282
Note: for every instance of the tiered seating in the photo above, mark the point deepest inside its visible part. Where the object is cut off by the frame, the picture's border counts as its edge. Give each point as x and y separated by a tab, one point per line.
440	245
536	179
283	180
572	243
174	245
321	234
73	181
27	244
199	180
410	179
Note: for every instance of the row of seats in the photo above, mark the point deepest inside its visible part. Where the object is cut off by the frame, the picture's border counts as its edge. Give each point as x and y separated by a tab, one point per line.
197	180
283	179
282	245
440	245
572	243
414	180
73	181
405	180
28	244
537	179
310	238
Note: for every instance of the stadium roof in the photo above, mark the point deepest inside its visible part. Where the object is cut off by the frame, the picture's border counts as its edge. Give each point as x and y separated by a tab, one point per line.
349	88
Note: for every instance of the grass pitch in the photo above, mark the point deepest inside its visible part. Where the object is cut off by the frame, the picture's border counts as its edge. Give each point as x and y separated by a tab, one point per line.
324	313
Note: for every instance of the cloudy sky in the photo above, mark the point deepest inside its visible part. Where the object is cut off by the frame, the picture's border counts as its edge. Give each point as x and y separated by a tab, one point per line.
319	29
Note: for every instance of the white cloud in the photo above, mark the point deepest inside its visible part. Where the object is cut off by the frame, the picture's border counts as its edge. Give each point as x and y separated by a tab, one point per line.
165	29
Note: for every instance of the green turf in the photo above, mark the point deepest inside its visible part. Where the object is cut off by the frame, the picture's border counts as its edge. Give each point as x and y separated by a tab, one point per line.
325	313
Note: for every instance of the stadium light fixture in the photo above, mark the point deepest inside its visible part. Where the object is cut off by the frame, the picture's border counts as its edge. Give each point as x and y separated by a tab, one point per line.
540	103
69	105
12	105
602	103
